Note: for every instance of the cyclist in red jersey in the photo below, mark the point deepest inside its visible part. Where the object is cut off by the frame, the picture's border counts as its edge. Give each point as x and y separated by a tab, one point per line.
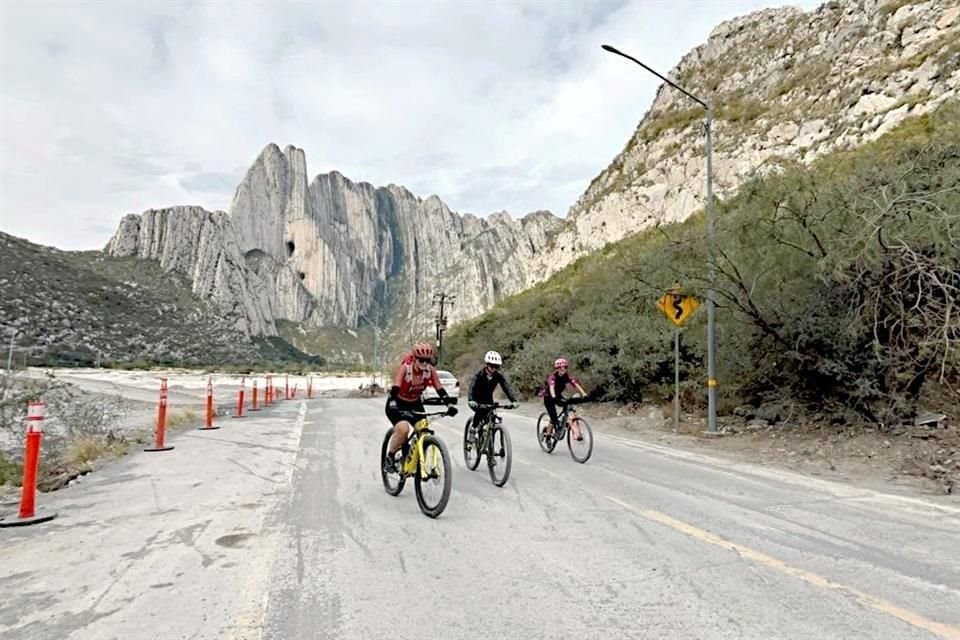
409	382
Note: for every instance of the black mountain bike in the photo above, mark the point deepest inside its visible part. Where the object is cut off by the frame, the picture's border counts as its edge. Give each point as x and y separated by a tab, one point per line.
580	448
494	441
425	457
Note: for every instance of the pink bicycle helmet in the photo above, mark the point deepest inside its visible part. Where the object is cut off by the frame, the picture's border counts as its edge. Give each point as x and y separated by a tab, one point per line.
560	362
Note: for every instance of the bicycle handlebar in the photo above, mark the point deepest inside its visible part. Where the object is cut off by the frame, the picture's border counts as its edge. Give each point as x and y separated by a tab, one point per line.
495	405
449	411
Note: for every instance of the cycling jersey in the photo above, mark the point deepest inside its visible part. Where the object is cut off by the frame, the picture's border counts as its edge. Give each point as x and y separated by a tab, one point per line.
483	386
560	382
411	385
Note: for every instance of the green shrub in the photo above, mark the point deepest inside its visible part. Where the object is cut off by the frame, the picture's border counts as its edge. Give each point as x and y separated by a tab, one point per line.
10	472
820	270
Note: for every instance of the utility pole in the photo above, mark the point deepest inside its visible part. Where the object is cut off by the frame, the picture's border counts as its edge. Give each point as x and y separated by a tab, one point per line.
444	299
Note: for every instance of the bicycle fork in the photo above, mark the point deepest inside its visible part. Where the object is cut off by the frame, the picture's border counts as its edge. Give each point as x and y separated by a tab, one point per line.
428	464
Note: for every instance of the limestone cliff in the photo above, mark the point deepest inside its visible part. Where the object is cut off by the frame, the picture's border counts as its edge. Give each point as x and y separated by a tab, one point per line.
785	84
335	252
201	245
336	249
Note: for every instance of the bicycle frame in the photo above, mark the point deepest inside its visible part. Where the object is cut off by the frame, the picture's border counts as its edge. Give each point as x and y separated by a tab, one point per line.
416	452
567	415
411	461
493	418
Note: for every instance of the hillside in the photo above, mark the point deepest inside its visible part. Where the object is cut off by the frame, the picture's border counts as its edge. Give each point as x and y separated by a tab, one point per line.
787	86
837	292
80	308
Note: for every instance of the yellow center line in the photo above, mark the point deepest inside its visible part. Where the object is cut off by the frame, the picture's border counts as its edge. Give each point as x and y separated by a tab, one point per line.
885	606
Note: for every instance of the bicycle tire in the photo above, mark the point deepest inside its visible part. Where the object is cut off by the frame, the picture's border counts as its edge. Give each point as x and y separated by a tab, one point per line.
587	433
547	447
384	476
507	462
430	440
467	447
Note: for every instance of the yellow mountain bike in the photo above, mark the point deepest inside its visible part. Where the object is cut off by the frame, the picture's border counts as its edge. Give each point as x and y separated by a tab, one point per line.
426	459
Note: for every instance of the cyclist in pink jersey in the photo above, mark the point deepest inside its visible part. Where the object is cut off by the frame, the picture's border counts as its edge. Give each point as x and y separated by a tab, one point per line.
557	382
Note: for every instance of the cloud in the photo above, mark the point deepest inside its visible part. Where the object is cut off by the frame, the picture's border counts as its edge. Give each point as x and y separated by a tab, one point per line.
218	182
114	107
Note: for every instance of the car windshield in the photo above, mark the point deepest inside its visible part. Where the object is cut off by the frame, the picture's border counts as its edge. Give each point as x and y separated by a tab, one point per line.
445	374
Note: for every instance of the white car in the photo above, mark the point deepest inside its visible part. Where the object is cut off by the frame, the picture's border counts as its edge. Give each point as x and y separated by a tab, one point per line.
449	382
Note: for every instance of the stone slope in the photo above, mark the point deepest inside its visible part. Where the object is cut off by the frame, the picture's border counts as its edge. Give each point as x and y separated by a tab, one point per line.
202	246
785	84
80	308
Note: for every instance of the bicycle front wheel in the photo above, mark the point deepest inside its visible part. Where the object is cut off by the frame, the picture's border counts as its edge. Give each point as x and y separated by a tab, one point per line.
547	443
471	450
434	477
580	449
499	455
392	482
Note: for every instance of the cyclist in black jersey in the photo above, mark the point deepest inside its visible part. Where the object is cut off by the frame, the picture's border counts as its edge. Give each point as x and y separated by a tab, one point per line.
482	387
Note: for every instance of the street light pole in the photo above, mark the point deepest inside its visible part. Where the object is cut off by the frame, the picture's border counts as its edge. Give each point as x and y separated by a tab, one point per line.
711	261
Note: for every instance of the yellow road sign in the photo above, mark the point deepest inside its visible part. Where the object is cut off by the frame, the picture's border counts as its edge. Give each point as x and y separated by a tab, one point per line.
678	307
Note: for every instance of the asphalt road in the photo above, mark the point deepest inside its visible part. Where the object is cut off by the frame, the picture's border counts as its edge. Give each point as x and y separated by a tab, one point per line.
277	526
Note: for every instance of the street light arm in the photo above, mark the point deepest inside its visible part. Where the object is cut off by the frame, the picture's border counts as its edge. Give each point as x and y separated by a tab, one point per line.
673	84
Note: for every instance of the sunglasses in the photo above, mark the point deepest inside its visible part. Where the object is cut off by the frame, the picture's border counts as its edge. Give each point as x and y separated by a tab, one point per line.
424	360
493	366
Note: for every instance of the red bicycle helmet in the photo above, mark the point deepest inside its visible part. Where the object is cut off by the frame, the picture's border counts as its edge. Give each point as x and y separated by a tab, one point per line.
423	350
560	362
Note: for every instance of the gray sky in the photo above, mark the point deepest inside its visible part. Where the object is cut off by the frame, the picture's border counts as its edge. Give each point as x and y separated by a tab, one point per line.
109	108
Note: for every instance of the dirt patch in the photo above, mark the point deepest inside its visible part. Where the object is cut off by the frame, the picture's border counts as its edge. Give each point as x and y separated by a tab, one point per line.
234	540
366	391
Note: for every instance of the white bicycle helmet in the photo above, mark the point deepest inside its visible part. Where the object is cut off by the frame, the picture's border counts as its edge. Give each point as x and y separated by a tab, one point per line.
493	357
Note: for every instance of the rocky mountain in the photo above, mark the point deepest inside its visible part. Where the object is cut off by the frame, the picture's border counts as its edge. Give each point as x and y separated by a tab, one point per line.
332	252
84	307
336	249
202	246
785	85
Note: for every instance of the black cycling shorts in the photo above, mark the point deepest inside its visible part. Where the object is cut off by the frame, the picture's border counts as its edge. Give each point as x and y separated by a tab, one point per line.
396	415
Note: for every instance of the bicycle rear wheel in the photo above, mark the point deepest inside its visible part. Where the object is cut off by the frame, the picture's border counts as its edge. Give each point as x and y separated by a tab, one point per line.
436	463
471	452
499	455
580	450
547	443
392	482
